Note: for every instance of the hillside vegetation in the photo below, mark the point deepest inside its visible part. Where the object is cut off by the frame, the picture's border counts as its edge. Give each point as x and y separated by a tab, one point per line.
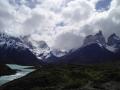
70	77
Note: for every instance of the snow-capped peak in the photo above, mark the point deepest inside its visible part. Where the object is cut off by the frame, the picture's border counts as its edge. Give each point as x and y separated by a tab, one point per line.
41	48
12	42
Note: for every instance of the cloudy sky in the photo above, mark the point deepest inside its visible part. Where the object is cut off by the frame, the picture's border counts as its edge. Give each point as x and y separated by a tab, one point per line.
61	23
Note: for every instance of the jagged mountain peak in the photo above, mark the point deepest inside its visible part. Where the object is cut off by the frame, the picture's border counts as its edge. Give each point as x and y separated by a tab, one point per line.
114	36
34	43
112	44
14	50
114	40
97	38
40	48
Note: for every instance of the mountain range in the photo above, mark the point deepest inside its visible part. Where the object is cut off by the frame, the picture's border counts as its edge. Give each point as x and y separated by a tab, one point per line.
14	51
95	49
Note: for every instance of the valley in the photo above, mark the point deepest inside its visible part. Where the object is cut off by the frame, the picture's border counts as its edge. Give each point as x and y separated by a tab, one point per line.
93	66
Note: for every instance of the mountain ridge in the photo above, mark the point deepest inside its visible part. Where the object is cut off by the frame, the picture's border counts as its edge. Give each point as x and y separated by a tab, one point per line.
94	47
14	51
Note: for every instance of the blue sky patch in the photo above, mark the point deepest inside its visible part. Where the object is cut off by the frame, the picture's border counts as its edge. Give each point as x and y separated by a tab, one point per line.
103	5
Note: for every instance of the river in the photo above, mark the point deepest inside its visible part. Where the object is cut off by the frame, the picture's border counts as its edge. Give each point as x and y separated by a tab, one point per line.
21	71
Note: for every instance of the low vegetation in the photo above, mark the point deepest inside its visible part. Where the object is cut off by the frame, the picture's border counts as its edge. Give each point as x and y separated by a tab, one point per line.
70	77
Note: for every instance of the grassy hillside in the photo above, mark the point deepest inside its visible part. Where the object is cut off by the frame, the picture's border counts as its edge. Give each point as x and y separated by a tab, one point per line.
70	77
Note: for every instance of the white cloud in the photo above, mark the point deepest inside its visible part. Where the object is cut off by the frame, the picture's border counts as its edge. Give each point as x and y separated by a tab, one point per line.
61	23
109	21
77	10
67	41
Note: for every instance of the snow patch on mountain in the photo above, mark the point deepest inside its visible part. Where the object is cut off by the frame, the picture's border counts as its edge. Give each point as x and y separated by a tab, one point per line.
59	53
7	41
111	48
